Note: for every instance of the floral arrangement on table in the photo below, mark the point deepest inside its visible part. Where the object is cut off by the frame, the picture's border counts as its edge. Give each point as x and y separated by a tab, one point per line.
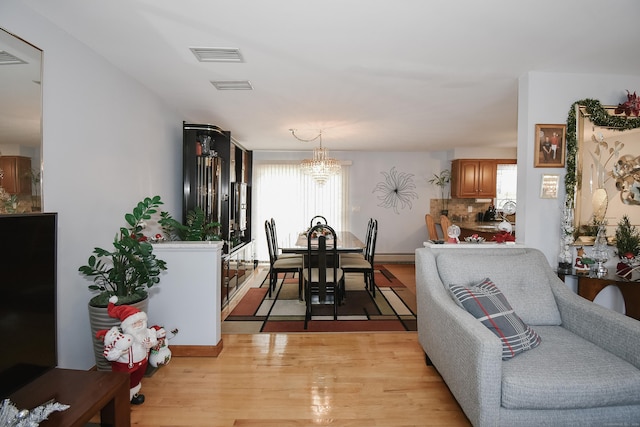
320	232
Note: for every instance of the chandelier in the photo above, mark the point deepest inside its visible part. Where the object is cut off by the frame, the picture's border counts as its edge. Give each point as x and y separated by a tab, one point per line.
321	167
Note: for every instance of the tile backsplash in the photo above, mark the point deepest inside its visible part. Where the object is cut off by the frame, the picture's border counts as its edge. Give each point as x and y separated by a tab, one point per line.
458	209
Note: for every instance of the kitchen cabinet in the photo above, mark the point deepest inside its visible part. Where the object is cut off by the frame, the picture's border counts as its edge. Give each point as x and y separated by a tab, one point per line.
473	178
16	174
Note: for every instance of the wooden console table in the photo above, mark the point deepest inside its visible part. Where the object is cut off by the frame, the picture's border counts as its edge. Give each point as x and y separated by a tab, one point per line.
588	287
87	392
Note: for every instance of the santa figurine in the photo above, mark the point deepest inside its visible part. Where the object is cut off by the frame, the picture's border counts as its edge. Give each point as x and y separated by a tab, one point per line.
127	347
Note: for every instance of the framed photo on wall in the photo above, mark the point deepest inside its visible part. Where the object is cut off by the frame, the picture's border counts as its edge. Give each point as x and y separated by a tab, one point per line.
550	146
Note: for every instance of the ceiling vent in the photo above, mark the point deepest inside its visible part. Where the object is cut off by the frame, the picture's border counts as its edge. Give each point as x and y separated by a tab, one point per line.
6	59
233	85
217	54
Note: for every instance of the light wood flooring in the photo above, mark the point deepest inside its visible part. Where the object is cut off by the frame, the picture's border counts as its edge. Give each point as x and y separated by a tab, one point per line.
304	379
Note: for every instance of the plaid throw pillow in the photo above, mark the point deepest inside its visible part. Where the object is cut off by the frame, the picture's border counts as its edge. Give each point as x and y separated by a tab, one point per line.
487	304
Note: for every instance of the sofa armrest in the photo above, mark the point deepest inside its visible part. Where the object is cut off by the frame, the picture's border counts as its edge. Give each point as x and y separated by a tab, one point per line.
615	332
467	355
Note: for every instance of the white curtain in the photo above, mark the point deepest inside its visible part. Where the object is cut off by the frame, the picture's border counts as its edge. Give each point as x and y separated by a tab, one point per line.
291	198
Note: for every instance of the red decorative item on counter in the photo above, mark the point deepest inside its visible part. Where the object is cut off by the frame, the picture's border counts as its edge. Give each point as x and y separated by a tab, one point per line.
503	237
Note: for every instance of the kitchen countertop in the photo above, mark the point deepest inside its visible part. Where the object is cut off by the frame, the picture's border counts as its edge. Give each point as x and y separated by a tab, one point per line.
483	227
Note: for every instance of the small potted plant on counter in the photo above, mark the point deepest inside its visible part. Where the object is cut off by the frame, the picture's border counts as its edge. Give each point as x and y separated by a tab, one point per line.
627	247
196	228
441	180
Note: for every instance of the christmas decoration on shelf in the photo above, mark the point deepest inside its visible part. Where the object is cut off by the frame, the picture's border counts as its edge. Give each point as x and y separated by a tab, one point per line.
627	247
600	252
631	107
566	240
583	262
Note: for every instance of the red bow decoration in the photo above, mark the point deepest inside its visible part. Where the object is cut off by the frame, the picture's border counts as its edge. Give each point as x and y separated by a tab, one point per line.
631	107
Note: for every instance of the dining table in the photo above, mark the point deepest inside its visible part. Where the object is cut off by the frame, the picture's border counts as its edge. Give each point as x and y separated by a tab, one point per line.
347	242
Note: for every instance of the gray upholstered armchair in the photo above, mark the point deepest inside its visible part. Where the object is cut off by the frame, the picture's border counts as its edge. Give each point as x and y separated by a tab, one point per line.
584	372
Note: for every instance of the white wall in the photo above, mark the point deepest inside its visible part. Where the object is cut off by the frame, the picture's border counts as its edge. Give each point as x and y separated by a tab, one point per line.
108	142
545	98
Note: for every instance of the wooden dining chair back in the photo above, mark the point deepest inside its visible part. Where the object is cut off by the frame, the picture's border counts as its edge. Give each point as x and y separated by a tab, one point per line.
323	278
281	265
364	265
444	224
318	219
431	227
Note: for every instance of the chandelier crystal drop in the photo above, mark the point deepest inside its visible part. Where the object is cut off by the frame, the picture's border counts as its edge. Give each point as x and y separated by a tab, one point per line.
321	167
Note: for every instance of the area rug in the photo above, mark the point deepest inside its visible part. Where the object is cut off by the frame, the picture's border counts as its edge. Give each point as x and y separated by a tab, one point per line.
392	309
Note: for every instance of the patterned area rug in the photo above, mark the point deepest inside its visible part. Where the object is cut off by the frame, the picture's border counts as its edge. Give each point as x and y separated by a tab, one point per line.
392	309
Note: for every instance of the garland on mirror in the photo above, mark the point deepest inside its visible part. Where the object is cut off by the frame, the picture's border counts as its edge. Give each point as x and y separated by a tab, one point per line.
600	117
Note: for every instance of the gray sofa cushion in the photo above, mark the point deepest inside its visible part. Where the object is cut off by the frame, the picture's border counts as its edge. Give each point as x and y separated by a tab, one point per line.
577	374
523	282
487	304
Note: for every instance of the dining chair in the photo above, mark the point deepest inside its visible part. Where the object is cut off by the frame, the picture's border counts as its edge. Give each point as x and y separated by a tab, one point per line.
281	265
276	247
360	255
444	224
323	279
364	265
321	220
431	227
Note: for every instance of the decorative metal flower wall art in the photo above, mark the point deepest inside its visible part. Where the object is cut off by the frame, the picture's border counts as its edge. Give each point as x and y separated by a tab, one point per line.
396	190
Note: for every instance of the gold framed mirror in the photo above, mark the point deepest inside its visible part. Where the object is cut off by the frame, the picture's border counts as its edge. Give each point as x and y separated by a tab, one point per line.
607	168
20	125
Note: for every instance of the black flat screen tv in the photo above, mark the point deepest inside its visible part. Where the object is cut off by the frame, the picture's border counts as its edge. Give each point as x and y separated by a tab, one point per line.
28	245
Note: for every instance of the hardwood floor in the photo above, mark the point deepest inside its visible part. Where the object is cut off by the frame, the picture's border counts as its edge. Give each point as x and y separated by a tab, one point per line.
346	379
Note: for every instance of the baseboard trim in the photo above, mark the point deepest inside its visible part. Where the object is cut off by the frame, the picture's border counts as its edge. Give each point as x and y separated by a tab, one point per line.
195	350
395	258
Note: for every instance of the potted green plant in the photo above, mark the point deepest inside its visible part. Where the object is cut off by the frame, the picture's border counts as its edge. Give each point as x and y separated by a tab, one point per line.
441	180
126	271
627	246
195	228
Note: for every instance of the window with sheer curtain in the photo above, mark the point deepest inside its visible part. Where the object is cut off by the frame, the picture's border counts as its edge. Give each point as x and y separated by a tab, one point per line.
291	198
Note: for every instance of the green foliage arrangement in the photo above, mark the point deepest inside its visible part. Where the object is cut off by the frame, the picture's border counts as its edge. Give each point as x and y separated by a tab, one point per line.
130	268
195	228
627	238
441	180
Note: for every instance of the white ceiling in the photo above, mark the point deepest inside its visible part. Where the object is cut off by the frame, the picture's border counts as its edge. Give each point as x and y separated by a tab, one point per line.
371	74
